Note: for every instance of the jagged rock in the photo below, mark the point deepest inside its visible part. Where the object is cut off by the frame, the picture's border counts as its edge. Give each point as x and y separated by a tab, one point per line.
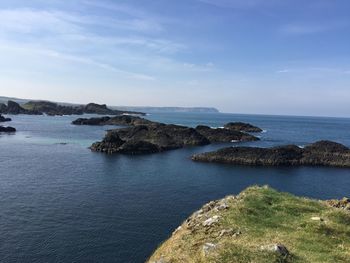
324	153
7	129
4	119
208	248
224	135
222	206
241	126
226	232
210	221
102	109
277	248
123	120
3	108
341	204
14	108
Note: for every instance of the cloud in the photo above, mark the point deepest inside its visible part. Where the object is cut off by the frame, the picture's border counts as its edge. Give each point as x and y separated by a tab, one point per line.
283	71
239	4
317	70
74	59
308	28
117	45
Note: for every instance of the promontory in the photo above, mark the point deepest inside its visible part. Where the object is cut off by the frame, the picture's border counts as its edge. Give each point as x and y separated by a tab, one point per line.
261	225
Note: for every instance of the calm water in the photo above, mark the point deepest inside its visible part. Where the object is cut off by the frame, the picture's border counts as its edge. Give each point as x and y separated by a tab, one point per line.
59	202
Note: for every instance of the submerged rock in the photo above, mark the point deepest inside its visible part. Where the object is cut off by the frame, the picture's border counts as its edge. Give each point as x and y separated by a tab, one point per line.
7	129
241	126
224	135
4	119
323	153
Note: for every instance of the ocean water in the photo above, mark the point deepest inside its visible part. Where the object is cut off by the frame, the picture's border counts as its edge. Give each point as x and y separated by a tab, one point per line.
59	202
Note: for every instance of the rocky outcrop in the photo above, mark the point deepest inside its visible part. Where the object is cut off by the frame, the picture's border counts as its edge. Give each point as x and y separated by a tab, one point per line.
52	109
14	108
145	136
259	225
123	120
142	139
343	204
7	129
102	109
322	153
4	119
241	126
224	135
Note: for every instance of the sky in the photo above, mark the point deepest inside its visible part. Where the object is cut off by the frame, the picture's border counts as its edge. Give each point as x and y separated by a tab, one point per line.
242	56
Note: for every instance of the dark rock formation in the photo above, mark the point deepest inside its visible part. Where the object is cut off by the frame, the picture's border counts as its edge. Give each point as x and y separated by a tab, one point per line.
4	119
241	126
97	109
7	129
52	109
151	138
145	136
224	135
3	107
123	120
102	109
322	153
14	108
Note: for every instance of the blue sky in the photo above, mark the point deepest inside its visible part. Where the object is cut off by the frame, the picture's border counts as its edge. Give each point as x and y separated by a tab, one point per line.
244	56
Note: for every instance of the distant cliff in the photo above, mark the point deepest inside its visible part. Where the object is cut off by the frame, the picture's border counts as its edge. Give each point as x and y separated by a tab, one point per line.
169	109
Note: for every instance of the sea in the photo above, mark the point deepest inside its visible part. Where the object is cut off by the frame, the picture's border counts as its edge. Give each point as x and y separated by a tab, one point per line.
60	202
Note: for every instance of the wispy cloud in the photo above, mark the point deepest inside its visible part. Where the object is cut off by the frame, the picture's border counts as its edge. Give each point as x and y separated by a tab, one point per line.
317	70
307	28
238	3
79	38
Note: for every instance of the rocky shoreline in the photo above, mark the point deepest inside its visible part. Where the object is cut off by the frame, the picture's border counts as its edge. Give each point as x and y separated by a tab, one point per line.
260	225
53	109
143	136
322	153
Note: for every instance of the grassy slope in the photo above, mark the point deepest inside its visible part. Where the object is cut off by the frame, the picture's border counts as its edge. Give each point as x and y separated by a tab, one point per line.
264	216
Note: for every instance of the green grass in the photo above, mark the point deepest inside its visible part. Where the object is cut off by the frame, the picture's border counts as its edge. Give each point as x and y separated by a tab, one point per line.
265	216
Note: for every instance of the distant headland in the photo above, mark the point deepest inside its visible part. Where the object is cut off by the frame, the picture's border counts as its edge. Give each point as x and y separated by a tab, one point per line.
126	109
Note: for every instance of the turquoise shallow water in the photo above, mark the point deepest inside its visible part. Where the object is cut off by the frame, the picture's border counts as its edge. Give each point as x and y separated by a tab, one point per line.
59	202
